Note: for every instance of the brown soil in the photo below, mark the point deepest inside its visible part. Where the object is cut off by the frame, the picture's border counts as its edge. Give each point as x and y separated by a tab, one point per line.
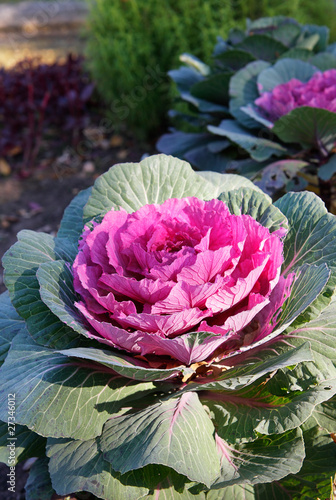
38	203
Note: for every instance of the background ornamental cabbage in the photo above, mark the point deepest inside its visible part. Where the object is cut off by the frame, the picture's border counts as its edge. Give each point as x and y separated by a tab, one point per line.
263	108
175	339
318	92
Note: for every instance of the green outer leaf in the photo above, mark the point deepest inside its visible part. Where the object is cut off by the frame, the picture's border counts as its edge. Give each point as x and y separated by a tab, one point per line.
38	486
262	47
309	282
205	107
257	205
229	182
328	169
56	397
297	53
313	481
72	222
185	77
321	334
283	71
236	492
258	148
154	180
265	408
243	90
325	415
27	443
234	59
241	376
178	143
125	365
310	127
214	88
10	325
311	238
173	488
267	459
324	61
21	263
56	290
176	432
201	157
320	450
287	33
80	466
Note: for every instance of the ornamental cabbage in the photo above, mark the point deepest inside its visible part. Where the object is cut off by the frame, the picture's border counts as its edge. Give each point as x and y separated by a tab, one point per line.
176	339
318	92
148	278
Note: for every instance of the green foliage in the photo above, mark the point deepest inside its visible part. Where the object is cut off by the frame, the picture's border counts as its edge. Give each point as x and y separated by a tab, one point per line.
133	43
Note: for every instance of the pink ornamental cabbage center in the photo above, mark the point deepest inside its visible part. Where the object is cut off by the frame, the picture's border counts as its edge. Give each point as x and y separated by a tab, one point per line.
318	92
150	278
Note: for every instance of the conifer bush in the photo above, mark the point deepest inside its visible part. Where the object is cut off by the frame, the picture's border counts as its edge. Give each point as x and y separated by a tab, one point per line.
133	43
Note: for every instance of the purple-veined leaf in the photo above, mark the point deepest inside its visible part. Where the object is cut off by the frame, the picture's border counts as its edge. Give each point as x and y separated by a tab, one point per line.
310	281
56	396
274	406
264	460
321	334
177	432
315	477
248	371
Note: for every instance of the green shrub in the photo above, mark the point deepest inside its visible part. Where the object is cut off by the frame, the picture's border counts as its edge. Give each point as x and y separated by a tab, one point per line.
133	43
